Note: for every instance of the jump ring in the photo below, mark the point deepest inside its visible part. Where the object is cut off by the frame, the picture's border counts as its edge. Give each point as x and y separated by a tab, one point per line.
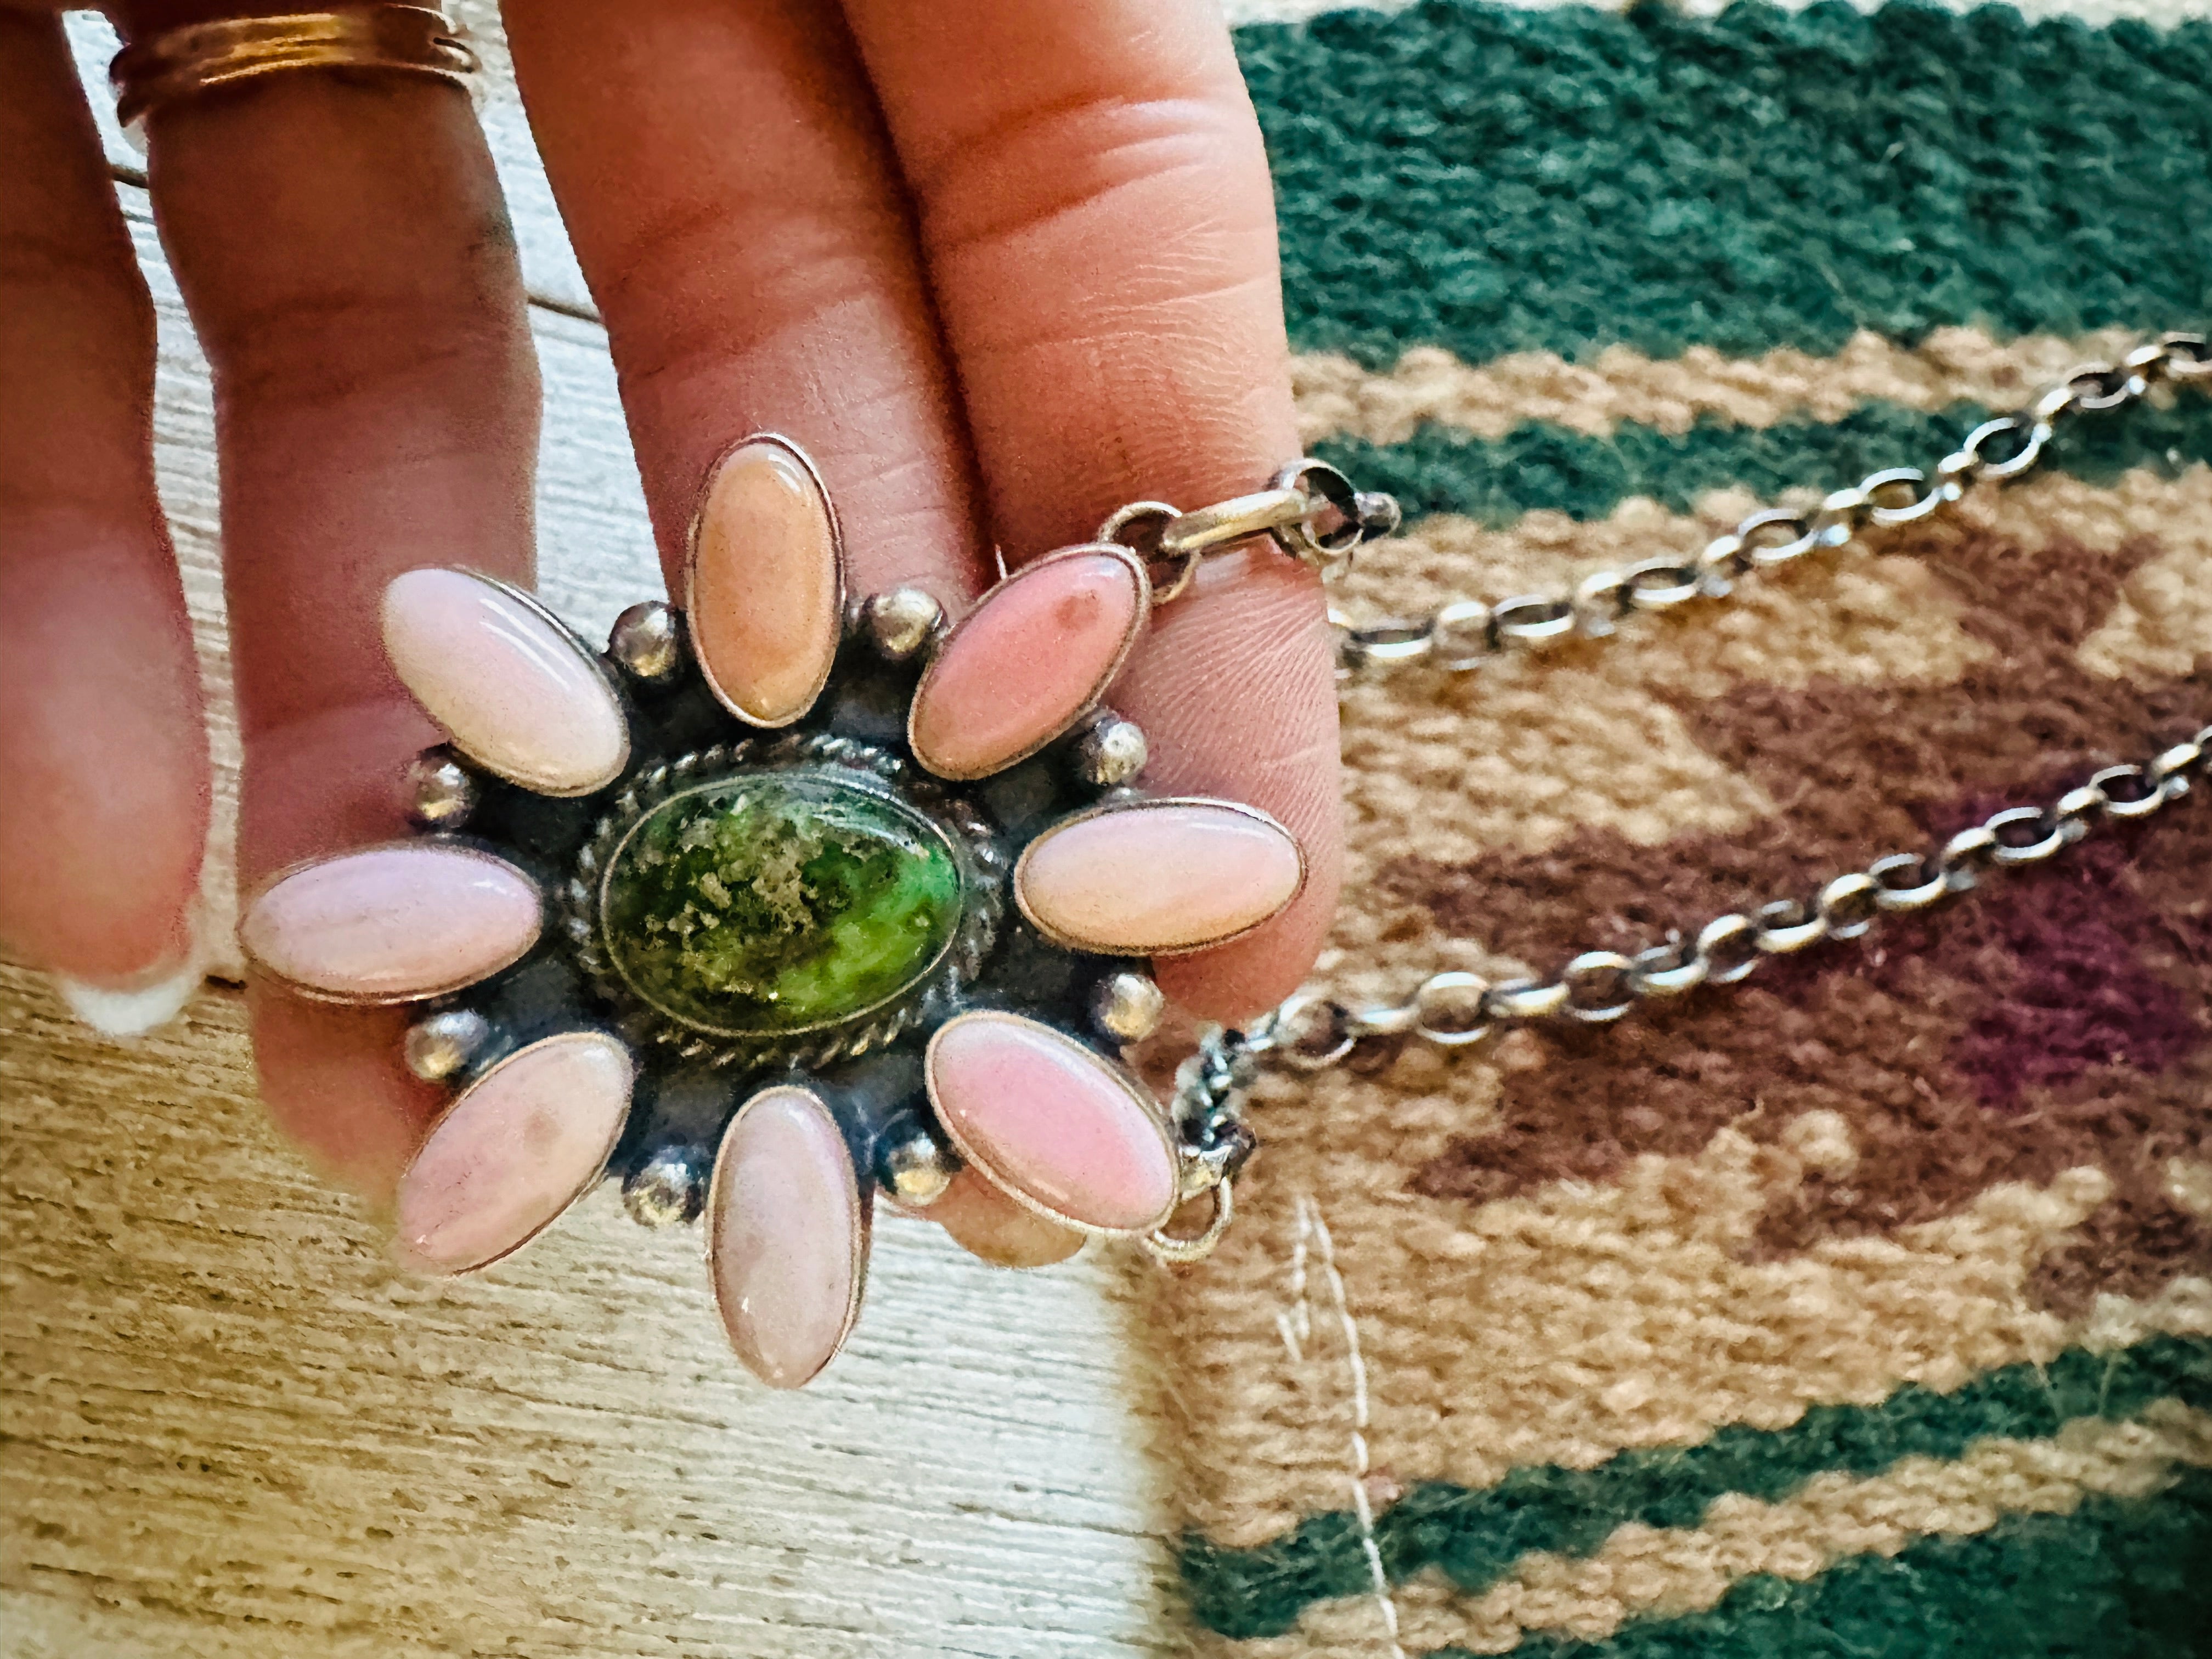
2049	837
1717	938
1326	551
1920	889
1177	1251
1592	968
1142	527
1427	1013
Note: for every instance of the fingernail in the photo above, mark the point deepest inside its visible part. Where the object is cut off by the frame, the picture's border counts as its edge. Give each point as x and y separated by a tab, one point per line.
121	1010
987	1224
132	1011
763	590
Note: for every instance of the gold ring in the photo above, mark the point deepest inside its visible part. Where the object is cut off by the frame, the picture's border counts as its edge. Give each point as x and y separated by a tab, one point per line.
180	62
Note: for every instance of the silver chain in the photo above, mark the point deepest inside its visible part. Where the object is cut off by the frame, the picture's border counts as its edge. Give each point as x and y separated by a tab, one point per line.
1311	512
1461	635
1313	1032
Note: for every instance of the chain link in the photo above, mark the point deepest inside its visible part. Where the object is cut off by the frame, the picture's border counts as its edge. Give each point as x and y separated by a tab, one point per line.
1312	1031
1465	634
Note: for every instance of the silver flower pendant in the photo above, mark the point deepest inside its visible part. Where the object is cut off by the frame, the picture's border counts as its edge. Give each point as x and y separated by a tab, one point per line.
782	900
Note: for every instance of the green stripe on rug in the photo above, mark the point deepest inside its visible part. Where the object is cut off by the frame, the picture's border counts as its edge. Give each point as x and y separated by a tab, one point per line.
2118	1579
1496	480
1475	1536
1492	178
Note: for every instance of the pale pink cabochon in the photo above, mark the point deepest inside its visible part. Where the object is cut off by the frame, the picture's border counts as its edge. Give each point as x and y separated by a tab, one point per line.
1157	876
1033	657
787	1236
515	691
765	591
516	1147
1056	1125
386	924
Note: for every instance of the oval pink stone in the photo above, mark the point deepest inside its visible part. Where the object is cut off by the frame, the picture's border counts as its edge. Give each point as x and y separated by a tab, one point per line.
1158	877
788	1236
765	591
1031	660
515	691
393	923
1050	1122
517	1146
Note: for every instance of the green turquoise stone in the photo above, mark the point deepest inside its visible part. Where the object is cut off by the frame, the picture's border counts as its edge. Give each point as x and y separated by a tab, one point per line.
779	902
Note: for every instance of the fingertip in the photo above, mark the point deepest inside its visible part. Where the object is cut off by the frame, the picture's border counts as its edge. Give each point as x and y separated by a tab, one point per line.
990	1226
333	1083
146	1001
332	1074
1235	982
105	824
103	820
1236	689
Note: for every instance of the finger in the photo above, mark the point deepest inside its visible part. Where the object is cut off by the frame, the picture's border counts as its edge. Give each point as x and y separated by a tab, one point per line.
986	1223
343	247
1096	214
103	819
735	210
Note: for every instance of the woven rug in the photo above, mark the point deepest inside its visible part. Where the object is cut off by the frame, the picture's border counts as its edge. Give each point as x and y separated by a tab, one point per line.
1862	1308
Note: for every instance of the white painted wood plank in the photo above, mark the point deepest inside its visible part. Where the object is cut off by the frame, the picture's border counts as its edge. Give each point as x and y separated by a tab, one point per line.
234	1431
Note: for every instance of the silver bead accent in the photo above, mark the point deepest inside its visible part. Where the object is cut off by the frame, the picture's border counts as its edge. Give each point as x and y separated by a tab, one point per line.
647	642
1111	752
1126	1006
900	622
442	1045
669	1188
441	792
914	1166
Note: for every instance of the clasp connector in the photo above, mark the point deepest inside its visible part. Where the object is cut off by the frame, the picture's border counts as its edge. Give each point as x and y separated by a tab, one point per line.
1310	511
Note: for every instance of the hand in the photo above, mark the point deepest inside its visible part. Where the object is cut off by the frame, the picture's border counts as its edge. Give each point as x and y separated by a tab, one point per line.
1001	265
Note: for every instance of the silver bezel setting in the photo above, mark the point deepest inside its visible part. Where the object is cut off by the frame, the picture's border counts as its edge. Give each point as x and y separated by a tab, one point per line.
598	665
475	1085
1112	808
775	440
859	1242
1154	1115
436	841
848	762
1139	621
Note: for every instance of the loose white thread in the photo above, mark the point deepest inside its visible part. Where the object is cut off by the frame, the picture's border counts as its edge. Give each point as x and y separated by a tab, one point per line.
1297	1323
1311	1225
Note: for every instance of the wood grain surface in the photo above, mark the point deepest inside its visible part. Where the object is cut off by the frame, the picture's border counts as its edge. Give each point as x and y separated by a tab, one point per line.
231	1429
